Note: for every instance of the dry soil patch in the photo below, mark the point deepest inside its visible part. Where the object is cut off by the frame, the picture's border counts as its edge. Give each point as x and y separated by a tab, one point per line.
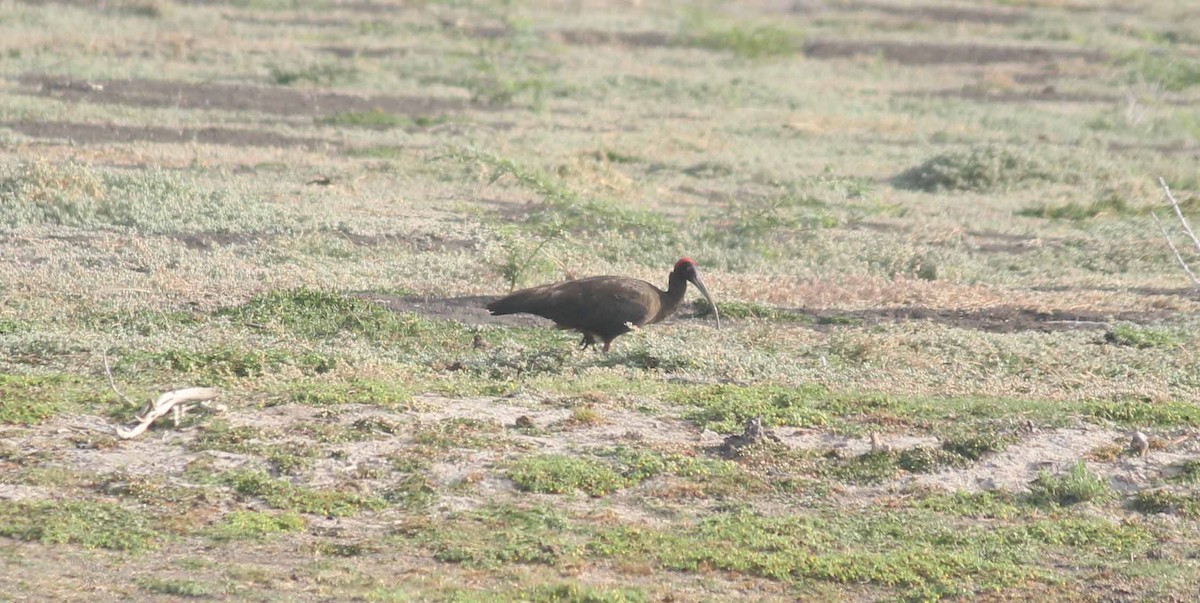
86	133
274	100
932	53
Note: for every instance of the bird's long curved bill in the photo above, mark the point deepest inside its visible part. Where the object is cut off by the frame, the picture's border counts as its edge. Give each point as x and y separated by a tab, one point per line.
712	304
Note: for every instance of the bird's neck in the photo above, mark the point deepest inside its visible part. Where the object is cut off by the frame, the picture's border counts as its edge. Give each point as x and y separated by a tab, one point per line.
676	287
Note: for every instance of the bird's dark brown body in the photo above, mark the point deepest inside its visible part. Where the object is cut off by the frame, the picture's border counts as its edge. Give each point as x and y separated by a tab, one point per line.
604	307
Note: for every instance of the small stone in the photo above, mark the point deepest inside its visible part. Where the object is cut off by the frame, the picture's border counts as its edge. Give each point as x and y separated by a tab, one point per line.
524	422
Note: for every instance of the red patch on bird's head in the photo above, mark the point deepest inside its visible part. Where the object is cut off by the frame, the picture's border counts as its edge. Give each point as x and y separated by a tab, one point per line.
685	262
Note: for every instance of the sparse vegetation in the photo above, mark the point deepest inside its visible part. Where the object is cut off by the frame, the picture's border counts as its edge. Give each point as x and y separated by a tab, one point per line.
1075	485
153	202
307	206
85	523
1143	337
980	169
254	525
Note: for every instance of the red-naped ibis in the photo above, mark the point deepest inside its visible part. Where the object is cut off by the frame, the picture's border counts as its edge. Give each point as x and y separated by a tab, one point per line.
605	307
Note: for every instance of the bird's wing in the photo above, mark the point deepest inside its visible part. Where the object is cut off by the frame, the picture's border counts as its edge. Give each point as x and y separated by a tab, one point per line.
596	305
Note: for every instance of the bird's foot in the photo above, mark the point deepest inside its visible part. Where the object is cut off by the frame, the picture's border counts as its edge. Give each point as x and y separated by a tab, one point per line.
587	342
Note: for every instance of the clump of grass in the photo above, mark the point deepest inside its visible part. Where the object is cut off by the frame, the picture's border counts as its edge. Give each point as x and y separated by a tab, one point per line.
1107	205
256	525
878	467
280	494
85	523
987	505
325	74
577	593
1137	413
759	222
501	534
316	314
414	491
562	474
725	408
28	400
648	358
749	41
982	168
611	156
974	446
738	309
378	119
1171	70
586	414
226	363
356	391
178	587
1076	485
1184	504
1137	336
461	433
153	9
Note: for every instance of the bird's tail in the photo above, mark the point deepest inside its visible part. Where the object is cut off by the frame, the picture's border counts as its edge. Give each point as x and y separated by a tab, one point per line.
518	302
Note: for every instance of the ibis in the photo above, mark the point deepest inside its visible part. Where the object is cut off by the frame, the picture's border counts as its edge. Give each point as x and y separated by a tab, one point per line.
605	307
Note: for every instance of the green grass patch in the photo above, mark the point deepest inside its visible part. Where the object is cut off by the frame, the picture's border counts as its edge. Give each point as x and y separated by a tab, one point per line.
379	119
178	587
223	364
622	467
497	535
975	445
461	433
322	74
1135	413
85	523
284	495
737	309
1137	336
256	525
29	400
746	40
562	474
356	391
1167	68
1184	504
1074	486
1107	205
725	408
315	314
980	505
983	168
880	467
905	551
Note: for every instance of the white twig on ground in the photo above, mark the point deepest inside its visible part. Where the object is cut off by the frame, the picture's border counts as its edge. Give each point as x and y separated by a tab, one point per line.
176	401
1179	214
1187	228
111	383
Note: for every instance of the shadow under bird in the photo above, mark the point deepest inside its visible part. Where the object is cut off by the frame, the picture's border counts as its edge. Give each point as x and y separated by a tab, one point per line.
605	307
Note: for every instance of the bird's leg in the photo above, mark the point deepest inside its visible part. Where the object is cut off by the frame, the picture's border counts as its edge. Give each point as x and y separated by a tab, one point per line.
588	341
606	344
